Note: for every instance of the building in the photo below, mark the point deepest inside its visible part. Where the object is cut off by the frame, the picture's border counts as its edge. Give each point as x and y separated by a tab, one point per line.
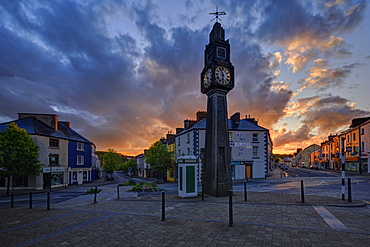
66	156
250	144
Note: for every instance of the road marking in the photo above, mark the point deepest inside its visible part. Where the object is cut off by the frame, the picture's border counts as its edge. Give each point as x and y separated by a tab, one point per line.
367	202
330	219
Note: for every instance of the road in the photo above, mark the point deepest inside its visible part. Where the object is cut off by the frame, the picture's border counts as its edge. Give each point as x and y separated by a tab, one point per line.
316	182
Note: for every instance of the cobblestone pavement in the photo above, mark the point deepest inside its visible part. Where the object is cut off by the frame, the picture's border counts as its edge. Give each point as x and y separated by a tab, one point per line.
266	219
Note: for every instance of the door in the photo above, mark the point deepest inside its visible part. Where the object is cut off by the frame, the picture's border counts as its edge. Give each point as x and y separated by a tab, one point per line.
248	171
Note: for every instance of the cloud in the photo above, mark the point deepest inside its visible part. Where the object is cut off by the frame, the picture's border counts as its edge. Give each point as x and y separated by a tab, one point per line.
321	78
124	76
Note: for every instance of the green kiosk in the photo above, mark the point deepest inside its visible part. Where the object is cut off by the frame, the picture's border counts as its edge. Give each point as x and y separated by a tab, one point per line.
187	172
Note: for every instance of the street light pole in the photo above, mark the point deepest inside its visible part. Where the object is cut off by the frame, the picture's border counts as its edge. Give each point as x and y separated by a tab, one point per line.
343	169
50	159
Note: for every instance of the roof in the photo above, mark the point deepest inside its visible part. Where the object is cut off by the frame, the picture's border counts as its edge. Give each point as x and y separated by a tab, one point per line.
243	125
36	127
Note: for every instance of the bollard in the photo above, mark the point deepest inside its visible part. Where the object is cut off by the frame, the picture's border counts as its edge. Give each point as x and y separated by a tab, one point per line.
48	201
30	200
349	190
281	174
118	191
231	220
163	206
302	192
245	191
96	191
343	189
12	200
202	192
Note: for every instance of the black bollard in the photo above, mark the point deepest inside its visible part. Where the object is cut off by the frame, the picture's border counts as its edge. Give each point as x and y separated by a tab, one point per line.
163	206
12	200
245	191
302	192
231	220
30	200
118	191
96	191
343	189
202	192
349	190
48	201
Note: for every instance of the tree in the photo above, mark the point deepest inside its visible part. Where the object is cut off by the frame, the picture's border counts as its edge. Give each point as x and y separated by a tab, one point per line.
19	154
158	157
125	167
110	161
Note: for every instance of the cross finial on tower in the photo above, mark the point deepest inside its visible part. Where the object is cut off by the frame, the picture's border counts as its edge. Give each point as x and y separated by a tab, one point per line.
217	13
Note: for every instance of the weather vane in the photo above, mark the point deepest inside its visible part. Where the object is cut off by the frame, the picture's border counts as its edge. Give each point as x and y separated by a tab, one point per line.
217	13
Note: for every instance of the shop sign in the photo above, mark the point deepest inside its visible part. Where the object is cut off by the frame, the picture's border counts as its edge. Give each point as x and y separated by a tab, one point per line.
53	169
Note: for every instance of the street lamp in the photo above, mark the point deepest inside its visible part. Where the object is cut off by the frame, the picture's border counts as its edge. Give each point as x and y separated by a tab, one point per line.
50	160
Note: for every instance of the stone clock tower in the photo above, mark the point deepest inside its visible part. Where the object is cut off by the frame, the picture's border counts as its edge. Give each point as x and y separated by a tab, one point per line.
217	79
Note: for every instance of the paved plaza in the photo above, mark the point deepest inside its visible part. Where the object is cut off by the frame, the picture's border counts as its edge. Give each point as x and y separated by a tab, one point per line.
266	219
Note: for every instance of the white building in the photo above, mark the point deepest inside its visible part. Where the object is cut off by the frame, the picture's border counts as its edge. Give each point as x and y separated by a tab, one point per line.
250	144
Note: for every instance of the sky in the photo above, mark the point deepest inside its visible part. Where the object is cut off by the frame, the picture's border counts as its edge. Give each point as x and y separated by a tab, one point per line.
126	73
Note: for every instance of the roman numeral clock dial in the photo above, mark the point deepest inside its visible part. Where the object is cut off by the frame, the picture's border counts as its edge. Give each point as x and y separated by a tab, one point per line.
222	75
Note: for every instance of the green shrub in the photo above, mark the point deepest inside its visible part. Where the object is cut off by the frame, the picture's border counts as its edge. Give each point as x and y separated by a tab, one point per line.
128	183
140	185
92	190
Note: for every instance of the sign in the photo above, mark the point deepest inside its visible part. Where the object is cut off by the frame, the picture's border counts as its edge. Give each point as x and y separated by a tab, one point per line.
53	169
240	144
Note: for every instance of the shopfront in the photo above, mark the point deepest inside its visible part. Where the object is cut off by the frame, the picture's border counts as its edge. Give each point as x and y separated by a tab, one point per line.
54	177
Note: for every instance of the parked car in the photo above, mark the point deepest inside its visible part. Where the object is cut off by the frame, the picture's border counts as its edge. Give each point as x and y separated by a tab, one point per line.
314	167
284	167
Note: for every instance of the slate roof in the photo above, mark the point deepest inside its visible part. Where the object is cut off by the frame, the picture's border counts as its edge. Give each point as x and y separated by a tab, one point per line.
242	126
36	127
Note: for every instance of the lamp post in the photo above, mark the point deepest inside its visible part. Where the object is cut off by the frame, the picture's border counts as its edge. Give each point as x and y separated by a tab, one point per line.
343	169
50	160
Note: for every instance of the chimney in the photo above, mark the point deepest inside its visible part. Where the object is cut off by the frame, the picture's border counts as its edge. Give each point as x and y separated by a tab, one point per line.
49	119
188	123
236	117
252	120
67	124
201	115
178	130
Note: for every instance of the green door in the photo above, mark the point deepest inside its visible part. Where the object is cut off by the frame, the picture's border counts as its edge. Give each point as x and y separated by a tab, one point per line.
190	179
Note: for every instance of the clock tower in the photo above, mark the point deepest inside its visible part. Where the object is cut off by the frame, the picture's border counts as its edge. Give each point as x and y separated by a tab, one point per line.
217	79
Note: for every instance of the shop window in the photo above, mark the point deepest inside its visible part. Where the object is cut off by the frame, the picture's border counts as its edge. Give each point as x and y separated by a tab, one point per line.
84	176
53	143
56	178
20	182
74	177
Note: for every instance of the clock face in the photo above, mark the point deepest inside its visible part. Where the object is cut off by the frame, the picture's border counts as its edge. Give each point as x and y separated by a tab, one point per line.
207	78
222	75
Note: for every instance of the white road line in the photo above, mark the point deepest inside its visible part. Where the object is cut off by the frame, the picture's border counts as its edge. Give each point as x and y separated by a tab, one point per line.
330	219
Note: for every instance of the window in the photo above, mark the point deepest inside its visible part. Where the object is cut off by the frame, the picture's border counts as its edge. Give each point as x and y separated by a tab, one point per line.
230	136
53	143
74	176
221	52
255	137
80	160
188	138
80	146
354	136
362	131
53	159
255	151
84	176
178	141
189	151
362	146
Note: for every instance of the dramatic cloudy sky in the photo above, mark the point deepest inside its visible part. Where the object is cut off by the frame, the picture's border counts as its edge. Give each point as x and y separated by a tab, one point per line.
124	73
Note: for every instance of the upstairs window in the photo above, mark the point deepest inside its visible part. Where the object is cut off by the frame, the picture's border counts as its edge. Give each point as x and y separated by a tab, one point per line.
53	159
255	137
80	146
188	138
80	160
53	143
255	151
